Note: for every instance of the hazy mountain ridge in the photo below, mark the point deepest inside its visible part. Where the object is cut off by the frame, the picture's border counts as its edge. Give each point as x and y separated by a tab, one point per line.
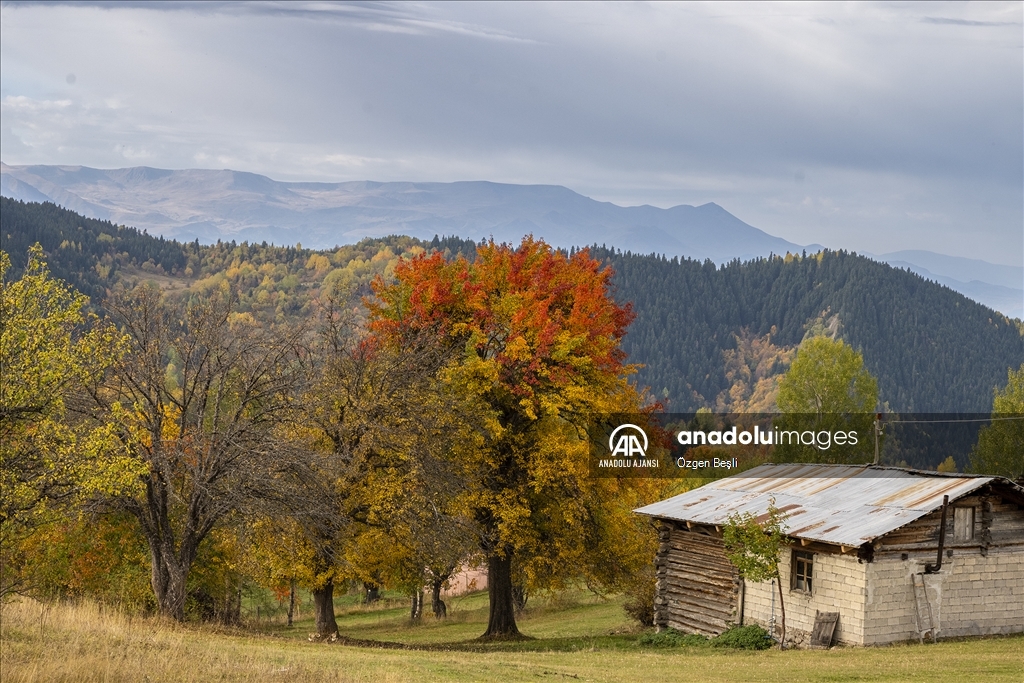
211	205
231	205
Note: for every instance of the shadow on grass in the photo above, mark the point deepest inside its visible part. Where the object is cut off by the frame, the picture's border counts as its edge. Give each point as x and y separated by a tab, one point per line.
521	643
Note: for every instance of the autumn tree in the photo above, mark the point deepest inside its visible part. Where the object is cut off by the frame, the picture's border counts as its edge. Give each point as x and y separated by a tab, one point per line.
203	426
539	335
415	532
827	389
279	555
1000	447
379	426
754	546
49	350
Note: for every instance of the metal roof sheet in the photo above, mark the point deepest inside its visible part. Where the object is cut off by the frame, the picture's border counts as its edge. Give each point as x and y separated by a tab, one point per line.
838	504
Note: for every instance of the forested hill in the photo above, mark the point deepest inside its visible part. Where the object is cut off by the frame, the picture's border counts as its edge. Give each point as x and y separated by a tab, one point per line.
86	252
707	336
932	349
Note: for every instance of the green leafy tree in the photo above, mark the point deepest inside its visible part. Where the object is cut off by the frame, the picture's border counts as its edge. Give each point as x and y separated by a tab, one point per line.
1000	447
50	350
826	390
754	548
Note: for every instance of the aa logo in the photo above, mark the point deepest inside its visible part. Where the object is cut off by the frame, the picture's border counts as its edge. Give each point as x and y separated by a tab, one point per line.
625	440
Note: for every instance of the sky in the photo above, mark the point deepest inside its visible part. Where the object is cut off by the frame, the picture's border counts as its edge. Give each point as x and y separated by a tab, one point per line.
873	127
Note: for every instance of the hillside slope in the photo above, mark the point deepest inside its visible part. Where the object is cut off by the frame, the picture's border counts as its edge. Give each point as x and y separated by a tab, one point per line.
932	349
699	328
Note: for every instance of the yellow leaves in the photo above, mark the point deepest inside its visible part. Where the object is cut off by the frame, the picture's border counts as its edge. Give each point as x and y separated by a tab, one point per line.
130	426
49	349
170	426
565	349
374	556
475	376
318	263
526	407
276	551
384	256
107	467
518	349
754	368
563	458
238	321
512	510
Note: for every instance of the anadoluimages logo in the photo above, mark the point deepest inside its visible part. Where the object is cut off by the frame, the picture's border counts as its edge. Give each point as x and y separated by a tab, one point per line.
628	443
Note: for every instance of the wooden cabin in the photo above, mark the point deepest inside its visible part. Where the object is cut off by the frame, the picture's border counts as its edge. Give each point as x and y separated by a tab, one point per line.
868	544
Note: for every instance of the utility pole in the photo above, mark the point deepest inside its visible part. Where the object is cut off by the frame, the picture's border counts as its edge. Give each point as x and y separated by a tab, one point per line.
878	433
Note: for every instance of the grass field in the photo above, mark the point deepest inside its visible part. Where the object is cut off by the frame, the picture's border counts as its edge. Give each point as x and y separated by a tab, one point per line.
579	637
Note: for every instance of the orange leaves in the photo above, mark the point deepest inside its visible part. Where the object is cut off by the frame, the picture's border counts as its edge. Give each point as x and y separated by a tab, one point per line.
545	318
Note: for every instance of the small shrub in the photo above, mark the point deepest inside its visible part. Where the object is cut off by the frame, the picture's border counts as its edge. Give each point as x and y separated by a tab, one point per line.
639	604
672	638
751	637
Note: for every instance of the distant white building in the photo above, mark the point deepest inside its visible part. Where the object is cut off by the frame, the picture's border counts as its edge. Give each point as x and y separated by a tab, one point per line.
867	545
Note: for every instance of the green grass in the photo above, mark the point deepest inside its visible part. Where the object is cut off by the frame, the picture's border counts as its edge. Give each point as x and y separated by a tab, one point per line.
576	638
571	620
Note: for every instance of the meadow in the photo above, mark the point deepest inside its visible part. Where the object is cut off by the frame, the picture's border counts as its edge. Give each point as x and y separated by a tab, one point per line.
576	636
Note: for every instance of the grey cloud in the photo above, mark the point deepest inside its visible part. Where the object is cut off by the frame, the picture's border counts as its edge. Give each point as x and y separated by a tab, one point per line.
966	22
411	18
903	128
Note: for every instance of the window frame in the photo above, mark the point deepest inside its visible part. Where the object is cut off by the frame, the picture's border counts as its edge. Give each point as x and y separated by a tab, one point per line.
802	572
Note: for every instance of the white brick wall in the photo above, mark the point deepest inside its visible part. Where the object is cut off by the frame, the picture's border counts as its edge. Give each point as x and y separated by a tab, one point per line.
840	585
971	595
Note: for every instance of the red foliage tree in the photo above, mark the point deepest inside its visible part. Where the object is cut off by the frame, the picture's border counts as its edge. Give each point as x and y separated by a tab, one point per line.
542	336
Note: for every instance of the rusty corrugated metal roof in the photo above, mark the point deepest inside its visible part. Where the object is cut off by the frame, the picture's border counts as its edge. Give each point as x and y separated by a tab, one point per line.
838	504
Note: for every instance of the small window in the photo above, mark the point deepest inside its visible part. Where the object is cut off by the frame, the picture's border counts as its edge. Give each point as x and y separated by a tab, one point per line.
963	524
803	569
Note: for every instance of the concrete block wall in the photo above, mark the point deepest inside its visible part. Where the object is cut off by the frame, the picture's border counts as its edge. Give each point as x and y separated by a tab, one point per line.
840	585
971	595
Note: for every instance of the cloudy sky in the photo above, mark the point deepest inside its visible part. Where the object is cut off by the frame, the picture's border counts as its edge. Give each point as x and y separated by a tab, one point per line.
865	126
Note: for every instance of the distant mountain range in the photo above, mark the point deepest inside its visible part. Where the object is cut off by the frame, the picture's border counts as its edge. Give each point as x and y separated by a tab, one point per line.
996	286
231	205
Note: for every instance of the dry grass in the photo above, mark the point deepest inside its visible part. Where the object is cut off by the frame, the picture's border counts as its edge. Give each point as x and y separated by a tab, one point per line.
86	643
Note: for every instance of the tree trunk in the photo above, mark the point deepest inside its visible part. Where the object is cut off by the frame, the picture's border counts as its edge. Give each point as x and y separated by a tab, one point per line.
782	607
502	621
157	574
519	597
174	599
291	601
323	606
436	603
232	608
168	580
417	606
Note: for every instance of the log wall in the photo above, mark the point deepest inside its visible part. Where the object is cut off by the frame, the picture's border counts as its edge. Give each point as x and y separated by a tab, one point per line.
998	524
697	586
